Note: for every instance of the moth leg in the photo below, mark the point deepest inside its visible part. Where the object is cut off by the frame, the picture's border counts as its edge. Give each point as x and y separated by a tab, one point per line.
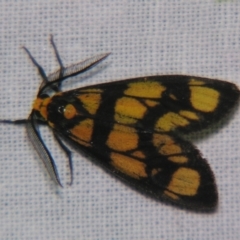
69	156
44	153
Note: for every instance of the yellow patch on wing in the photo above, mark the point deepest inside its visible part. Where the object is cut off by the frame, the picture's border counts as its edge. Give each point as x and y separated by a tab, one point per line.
160	140
41	106
178	159
167	147
155	171
83	131
204	99
69	111
91	101
129	107
122	138
171	195
128	165
188	114
90	90
184	181
195	82
170	149
138	154
151	103
145	89
124	119
172	96
165	144
170	121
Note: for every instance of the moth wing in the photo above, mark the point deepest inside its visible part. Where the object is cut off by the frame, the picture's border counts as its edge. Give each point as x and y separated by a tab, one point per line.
163	166
131	128
169	103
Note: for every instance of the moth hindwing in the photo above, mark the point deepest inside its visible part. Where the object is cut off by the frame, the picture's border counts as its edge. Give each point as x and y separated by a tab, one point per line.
132	128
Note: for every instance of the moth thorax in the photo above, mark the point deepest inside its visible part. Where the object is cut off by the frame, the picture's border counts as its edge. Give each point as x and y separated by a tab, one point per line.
41	105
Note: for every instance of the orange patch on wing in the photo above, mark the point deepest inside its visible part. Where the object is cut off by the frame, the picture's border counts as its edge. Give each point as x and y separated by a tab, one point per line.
178	159
155	171
151	103
171	195
184	181
188	114
204	99
170	121
167	146
124	119
128	165
83	131
170	149
90	90
130	107
145	89
122	138
138	154
194	82
91	101
172	96
162	139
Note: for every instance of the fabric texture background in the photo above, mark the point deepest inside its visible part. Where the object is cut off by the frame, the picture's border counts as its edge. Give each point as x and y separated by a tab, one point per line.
199	38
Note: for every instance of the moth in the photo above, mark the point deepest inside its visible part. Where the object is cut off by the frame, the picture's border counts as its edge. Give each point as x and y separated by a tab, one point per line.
133	128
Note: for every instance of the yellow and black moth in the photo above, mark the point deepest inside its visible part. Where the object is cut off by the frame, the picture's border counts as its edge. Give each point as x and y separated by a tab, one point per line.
132	128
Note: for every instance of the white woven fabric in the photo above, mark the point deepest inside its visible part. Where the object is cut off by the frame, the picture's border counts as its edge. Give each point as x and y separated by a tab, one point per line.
146	38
